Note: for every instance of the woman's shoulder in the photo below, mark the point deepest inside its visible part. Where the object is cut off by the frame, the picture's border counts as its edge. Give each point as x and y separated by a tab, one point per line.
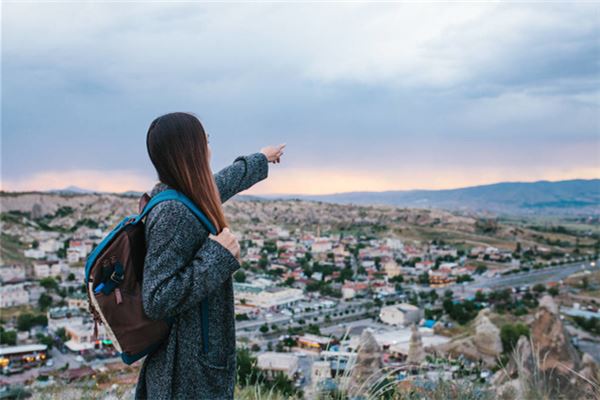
173	218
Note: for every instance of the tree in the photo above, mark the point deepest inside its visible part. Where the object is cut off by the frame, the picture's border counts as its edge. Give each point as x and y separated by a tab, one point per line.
539	288
247	371
239	276
8	337
264	328
553	291
479	296
481	269
510	334
26	321
289	281
314	329
49	283
44	301
62	334
424	278
71	277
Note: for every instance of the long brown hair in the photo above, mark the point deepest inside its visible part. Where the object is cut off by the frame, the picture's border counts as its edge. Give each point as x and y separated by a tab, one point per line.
178	148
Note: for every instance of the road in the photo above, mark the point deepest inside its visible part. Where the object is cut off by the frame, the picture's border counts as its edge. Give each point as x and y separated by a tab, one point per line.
546	275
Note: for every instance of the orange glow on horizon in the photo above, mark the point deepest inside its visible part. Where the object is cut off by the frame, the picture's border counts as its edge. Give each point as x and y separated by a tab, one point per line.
308	181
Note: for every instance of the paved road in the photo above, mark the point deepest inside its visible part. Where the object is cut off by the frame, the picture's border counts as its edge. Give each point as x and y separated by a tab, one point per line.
545	275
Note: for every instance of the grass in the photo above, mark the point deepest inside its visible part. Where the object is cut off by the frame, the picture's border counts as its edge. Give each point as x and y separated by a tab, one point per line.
11	250
533	383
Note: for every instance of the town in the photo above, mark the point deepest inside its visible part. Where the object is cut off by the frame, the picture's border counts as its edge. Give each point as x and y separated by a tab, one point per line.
329	298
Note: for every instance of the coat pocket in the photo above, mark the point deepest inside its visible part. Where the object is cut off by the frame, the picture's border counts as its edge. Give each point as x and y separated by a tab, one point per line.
218	379
225	363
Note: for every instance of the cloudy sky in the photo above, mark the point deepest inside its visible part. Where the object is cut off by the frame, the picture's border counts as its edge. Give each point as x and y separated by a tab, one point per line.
367	97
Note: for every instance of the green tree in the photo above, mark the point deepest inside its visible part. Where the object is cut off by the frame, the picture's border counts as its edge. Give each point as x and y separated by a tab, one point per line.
510	334
8	337
239	276
49	283
539	288
44	302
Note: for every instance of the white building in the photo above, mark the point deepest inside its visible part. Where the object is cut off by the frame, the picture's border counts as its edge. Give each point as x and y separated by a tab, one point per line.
34	253
13	295
63	317
400	314
50	245
394	244
268	298
272	363
81	336
321	245
11	273
45	270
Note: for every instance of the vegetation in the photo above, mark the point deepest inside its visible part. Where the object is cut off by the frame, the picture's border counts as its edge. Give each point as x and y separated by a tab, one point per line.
510	334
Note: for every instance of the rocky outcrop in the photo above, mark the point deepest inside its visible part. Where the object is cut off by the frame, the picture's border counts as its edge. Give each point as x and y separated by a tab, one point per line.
416	353
485	345
551	340
547	365
487	336
368	365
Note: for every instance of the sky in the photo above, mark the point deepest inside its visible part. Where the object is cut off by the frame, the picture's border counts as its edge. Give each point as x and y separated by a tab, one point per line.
366	96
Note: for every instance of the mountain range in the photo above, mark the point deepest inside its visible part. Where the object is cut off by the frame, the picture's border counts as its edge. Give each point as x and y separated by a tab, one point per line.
568	197
576	197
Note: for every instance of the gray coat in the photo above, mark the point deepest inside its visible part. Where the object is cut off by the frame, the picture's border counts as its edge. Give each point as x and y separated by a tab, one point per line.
182	268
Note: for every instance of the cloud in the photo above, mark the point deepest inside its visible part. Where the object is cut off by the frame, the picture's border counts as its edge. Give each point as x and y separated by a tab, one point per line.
350	87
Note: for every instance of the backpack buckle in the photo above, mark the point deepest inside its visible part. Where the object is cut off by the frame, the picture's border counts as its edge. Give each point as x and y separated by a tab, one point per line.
116	277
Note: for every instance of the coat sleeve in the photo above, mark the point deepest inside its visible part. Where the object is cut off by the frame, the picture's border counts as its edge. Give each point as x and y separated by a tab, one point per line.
241	175
182	264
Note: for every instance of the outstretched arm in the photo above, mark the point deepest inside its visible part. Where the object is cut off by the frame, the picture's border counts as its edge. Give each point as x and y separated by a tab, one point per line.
176	275
241	175
246	171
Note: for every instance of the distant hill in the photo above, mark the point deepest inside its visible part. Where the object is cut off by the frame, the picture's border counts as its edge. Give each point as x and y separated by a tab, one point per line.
71	190
570	197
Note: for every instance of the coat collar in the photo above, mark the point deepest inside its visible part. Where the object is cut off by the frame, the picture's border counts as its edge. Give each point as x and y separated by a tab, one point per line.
158	187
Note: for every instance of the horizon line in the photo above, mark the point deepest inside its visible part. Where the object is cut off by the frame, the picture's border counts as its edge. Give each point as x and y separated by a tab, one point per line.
82	190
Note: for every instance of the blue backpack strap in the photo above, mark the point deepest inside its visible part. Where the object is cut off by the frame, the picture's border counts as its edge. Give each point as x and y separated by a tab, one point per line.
172	194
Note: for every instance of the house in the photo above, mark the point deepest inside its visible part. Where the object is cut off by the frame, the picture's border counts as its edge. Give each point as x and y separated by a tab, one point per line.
12	273
313	342
272	298
392	269
13	295
352	289
38	254
62	317
400	314
272	363
321	245
81	336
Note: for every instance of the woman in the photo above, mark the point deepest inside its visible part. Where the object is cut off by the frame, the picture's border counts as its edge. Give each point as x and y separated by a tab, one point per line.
185	266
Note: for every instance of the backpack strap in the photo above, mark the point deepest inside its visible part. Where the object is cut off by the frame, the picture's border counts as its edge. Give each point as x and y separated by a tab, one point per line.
172	194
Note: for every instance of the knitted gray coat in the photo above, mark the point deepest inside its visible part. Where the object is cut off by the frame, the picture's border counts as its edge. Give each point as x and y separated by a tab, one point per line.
182	268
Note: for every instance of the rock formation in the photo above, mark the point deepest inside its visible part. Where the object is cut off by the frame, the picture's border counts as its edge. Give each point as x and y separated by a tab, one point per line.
551	340
368	365
485	345
487	336
416	353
